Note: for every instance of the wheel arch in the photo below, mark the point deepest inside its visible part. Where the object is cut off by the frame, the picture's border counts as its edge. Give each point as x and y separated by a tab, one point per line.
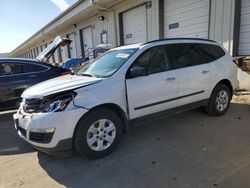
112	107
227	83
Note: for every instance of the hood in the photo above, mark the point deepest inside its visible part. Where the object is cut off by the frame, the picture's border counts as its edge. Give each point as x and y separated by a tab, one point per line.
59	84
51	48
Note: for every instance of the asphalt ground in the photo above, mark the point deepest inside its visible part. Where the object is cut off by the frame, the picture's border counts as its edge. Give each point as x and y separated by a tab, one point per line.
188	150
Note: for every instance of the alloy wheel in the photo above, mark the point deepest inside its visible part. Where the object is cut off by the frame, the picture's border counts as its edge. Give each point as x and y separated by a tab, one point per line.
101	134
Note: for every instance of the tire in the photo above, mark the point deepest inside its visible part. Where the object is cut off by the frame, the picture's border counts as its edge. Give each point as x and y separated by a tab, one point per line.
95	131
218	107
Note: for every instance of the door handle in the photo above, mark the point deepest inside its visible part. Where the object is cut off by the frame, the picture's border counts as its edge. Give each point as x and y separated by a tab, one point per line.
169	79
205	72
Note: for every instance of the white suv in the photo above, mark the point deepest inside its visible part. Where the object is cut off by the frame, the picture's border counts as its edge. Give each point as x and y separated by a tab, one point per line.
90	110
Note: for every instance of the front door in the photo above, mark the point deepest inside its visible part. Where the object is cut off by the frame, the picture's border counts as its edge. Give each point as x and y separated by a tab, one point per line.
64	53
72	46
156	91
13	82
87	42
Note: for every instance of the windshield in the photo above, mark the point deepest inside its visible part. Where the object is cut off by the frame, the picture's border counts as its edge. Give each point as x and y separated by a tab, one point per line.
107	64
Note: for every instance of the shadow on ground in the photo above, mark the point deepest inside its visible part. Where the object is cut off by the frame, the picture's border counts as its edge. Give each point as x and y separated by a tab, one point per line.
186	150
10	142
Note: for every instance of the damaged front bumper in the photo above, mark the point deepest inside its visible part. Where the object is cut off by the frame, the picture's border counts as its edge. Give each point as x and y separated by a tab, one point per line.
51	133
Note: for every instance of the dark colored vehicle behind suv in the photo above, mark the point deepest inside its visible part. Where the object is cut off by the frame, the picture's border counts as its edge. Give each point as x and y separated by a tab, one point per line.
18	74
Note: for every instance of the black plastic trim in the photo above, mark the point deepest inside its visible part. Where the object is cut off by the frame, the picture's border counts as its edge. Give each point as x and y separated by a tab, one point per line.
63	147
168	100
172	111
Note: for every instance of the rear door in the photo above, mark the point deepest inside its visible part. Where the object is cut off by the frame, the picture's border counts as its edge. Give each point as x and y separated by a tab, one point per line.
155	92
193	71
15	77
12	82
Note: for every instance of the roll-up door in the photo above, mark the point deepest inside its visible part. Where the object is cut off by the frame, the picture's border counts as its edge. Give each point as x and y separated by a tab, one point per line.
244	41
134	23
186	18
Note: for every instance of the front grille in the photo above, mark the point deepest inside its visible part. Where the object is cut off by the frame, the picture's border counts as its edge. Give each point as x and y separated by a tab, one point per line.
32	105
41	137
22	131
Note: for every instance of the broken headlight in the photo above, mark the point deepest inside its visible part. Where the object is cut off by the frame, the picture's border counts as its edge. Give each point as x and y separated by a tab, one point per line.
56	104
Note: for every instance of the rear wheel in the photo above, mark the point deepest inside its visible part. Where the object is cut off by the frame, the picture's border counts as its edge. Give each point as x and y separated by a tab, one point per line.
219	101
98	133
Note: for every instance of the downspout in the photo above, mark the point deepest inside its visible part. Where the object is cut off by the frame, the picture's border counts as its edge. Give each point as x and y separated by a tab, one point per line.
110	10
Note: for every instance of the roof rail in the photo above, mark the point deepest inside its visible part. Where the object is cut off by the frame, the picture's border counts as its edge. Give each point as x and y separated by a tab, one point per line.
159	40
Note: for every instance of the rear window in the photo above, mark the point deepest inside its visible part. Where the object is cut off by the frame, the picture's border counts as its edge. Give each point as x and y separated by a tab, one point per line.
210	52
189	54
34	68
11	68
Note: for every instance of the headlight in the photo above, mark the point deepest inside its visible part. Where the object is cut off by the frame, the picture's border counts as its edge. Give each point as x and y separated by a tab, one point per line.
56	104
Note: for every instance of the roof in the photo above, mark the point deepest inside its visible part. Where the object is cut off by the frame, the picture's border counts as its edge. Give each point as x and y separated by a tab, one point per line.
169	39
136	45
18	59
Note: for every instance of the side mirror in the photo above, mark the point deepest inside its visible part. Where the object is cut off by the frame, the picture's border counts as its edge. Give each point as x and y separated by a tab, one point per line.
137	71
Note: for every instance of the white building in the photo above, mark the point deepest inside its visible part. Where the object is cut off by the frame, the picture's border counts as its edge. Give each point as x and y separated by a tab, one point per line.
92	22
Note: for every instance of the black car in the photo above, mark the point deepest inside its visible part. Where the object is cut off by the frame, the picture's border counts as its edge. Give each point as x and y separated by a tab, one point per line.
17	74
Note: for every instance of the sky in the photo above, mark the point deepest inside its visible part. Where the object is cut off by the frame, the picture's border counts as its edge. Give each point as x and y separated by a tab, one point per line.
20	19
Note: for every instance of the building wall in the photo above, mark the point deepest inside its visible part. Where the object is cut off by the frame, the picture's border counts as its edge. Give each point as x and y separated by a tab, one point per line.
221	24
152	16
97	28
110	25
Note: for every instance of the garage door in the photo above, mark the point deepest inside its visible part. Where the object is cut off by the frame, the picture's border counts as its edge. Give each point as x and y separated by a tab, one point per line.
244	41
186	18
134	25
87	41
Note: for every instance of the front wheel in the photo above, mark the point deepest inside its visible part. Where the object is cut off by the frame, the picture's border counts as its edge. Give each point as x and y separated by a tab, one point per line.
219	100
98	133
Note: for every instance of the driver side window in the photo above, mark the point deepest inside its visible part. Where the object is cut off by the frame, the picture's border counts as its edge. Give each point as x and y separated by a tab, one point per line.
154	60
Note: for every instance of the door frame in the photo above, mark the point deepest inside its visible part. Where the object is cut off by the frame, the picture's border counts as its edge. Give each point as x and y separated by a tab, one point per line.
81	38
68	46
